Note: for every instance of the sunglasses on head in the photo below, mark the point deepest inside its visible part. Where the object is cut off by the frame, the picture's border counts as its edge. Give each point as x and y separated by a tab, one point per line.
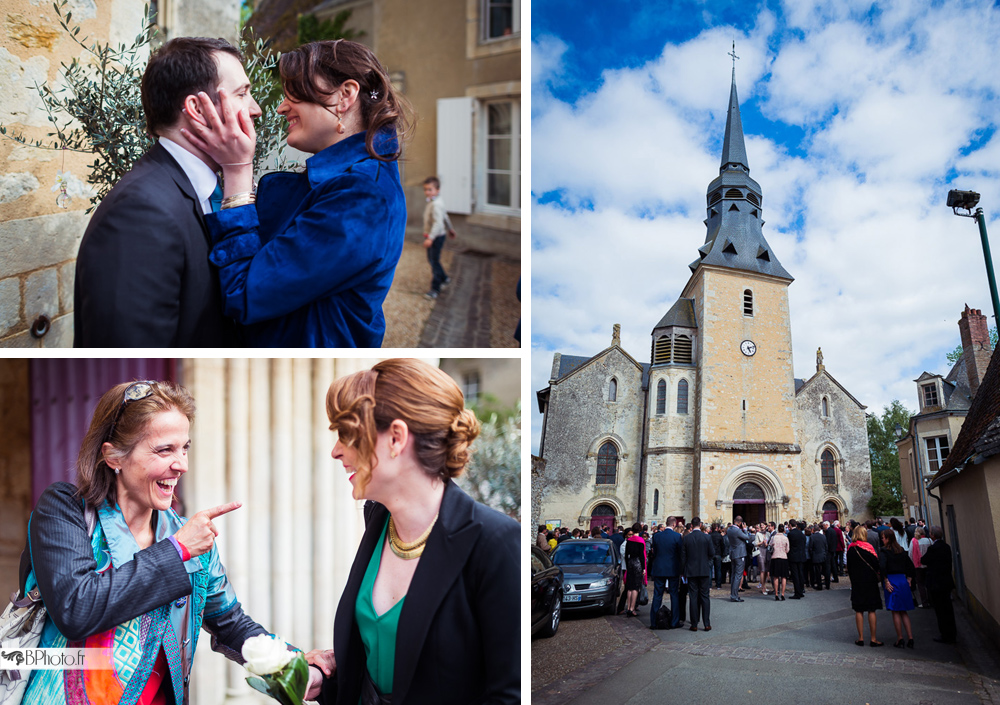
134	392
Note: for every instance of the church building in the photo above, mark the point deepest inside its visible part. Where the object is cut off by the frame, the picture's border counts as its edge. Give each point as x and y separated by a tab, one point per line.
715	423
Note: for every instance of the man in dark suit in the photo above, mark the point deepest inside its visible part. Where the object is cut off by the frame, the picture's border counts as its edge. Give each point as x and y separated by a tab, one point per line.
940	583
797	558
696	558
831	553
738	538
665	567
618	538
143	278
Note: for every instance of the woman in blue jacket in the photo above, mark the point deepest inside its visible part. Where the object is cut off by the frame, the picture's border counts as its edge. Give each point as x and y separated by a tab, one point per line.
308	261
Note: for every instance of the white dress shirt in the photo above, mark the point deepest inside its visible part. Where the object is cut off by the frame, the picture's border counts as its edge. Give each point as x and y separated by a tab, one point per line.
198	172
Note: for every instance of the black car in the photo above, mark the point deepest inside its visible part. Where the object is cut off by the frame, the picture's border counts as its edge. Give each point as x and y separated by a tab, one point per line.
593	574
546	594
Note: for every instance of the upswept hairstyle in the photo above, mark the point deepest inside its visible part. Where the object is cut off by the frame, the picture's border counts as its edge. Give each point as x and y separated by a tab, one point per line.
426	399
95	481
181	67
334	61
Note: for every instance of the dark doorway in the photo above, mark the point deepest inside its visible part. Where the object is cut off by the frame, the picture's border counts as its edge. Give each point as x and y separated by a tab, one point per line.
603	515
749	503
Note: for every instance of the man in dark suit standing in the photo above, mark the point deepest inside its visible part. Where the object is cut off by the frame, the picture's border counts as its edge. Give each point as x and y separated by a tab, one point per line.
797	558
696	559
618	538
831	553
143	278
940	583
738	538
665	567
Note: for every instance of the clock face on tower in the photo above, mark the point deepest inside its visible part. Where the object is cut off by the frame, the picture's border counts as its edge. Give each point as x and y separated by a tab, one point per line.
748	347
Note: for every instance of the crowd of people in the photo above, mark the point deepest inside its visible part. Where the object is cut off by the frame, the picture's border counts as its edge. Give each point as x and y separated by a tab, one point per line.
909	564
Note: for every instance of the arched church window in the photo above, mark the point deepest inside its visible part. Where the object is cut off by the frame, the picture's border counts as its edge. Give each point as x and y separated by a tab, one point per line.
829	506
682	397
682	349
747	302
656	502
607	464
752	197
661	350
661	397
734	193
613	390
826	407
827	464
748	491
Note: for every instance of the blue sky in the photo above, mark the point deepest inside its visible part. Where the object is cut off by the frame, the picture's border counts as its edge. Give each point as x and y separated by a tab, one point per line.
858	119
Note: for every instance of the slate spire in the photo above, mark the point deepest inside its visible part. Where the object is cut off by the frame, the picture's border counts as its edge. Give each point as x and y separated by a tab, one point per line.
735	239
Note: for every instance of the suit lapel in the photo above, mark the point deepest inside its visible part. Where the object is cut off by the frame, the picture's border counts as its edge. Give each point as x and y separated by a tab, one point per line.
344	625
448	548
162	157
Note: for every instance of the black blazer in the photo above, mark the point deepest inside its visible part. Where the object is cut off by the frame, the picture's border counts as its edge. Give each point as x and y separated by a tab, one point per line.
458	641
697	552
143	278
797	546
937	560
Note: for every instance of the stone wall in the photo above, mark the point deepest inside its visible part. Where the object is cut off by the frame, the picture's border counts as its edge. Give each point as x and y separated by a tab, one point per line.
844	432
579	420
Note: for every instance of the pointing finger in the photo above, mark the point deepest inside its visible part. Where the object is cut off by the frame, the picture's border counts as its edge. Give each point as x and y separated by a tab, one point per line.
222	509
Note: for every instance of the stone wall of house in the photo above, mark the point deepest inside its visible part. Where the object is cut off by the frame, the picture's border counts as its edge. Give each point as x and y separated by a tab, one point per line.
844	431
579	420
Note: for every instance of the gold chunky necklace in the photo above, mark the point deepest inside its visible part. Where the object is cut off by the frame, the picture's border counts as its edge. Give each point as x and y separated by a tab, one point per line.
414	549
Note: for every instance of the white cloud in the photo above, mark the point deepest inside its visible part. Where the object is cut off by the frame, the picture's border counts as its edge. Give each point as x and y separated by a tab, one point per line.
887	98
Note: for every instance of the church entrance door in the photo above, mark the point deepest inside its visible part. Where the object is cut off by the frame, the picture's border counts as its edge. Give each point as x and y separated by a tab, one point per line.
603	515
749	503
830	512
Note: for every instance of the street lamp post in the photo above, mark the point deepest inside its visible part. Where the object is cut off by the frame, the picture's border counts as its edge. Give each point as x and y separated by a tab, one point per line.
967	200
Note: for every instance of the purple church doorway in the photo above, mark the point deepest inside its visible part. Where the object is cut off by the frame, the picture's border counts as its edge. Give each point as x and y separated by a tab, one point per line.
604	515
749	503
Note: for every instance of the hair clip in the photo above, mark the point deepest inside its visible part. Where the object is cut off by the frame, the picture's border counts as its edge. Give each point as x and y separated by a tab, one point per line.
374	94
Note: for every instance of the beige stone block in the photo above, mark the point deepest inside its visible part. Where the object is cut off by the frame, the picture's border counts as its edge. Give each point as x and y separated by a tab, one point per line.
60	335
10	304
20	103
67	280
41	294
32	243
23	339
14	186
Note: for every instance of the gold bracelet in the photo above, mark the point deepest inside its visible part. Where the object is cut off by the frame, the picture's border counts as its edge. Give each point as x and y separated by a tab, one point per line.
239	199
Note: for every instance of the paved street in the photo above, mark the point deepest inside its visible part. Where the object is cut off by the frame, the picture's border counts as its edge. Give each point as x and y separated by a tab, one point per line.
797	651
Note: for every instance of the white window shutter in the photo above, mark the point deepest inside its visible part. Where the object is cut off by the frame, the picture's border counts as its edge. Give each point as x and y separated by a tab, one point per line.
454	152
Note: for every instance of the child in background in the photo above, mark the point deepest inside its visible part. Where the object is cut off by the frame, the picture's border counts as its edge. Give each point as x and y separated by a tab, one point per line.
436	226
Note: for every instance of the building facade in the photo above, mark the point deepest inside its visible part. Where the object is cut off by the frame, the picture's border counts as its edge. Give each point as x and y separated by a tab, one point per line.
715	424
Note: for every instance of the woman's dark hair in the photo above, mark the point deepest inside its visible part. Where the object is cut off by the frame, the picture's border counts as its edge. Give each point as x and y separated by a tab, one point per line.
181	67
637	528
305	70
96	481
781	528
896	524
890	542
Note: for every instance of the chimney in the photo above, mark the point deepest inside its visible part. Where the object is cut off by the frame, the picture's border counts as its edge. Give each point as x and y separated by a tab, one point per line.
976	348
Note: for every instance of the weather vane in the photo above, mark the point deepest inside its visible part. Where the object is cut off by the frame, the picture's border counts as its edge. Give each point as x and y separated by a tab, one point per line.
733	54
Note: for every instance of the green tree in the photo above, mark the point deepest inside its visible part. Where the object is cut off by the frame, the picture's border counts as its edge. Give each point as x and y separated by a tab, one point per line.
887	493
957	352
494	473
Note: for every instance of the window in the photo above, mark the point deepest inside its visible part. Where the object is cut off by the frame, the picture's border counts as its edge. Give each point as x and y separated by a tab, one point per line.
937	451
501	18
930	395
613	390
747	302
682	397
502	178
607	464
826	407
682	349
470	387
656	502
826	464
661	398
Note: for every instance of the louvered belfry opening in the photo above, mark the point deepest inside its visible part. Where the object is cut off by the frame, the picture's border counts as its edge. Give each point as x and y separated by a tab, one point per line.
682	349
661	350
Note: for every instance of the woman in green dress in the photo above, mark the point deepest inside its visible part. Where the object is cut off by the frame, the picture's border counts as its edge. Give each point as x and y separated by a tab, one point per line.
431	610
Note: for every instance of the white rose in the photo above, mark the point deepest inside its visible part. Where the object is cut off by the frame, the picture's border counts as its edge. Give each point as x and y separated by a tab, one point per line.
264	654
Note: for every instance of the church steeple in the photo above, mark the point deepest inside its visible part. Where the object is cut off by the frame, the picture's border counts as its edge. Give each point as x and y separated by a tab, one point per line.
734	151
734	222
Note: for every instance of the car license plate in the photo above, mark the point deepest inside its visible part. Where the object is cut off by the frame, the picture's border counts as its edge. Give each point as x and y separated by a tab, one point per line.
571	598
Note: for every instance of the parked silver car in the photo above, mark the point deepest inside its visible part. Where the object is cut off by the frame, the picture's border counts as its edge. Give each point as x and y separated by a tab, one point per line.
592	570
